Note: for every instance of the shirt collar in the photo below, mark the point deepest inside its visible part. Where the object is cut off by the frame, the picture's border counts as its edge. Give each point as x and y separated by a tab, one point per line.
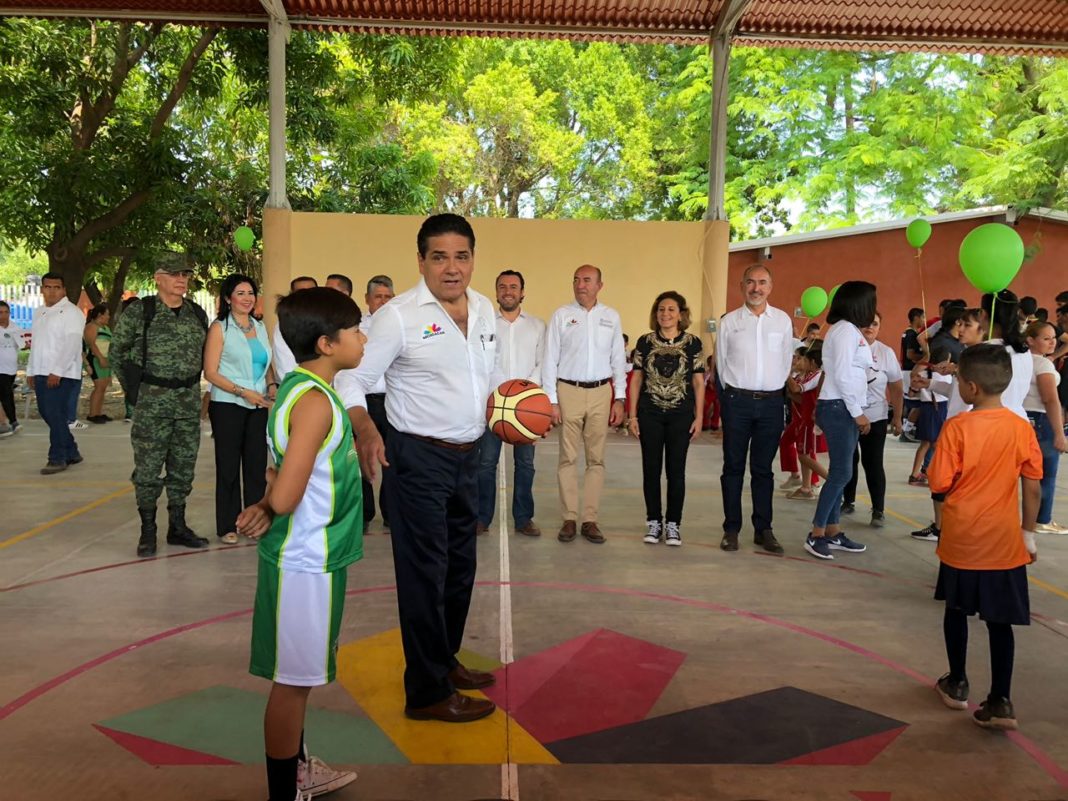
424	296
499	316
576	305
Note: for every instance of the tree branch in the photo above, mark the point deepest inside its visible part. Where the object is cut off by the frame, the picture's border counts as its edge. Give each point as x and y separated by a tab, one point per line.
111	219
103	254
185	74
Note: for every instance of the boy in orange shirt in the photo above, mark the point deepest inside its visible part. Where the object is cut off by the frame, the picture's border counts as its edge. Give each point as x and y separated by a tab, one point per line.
983	457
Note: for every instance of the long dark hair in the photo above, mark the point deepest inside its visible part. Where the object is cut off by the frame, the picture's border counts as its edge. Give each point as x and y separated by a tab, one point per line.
95	312
854	301
229	284
1004	314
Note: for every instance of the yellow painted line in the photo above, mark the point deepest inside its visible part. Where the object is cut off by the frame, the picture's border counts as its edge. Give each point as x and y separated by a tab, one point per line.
372	671
33	532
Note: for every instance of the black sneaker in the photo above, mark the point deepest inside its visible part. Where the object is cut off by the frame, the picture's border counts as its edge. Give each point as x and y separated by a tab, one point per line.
819	547
996	713
954	694
654	530
931	533
878	519
848	508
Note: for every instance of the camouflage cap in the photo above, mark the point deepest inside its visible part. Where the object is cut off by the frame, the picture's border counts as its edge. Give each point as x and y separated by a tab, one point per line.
171	262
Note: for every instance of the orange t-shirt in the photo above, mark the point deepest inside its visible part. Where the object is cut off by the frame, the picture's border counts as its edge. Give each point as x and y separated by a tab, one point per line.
978	462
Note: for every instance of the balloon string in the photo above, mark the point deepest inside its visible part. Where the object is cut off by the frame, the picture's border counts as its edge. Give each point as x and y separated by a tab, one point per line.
993	303
923	292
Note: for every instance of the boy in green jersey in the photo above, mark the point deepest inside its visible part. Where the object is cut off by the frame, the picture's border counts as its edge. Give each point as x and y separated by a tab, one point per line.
310	528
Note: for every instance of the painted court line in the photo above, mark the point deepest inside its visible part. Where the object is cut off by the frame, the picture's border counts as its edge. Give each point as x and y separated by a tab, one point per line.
33	532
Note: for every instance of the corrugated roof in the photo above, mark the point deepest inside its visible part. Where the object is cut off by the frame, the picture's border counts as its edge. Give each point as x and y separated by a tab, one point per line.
1001	26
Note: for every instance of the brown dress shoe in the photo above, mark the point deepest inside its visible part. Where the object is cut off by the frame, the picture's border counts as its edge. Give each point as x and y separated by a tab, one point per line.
529	530
567	531
457	708
464	678
592	533
729	541
481	529
766	540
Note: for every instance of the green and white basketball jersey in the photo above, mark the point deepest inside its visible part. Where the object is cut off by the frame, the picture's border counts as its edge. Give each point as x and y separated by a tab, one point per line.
325	531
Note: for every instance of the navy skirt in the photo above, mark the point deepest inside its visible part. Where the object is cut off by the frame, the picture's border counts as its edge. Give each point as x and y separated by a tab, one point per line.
997	596
932	418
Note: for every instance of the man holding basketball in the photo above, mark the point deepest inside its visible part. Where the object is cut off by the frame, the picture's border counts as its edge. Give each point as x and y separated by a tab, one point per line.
584	369
520	345
436	347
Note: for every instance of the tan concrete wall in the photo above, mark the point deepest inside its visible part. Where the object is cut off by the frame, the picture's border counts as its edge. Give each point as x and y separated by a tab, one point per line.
638	259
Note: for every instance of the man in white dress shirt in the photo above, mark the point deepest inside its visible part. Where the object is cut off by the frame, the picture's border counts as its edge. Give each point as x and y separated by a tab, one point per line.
435	345
520	346
379	293
584	368
754	349
55	368
281	356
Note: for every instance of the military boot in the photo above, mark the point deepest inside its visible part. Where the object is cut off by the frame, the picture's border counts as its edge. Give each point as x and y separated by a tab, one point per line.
146	546
178	533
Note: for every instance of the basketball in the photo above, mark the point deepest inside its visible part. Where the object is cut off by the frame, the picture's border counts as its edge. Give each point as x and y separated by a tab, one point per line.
519	412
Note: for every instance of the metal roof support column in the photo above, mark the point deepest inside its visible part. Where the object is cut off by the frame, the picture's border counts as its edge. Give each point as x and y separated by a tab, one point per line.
277	37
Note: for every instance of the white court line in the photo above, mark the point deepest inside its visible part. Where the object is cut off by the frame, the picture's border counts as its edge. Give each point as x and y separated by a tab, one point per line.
509	770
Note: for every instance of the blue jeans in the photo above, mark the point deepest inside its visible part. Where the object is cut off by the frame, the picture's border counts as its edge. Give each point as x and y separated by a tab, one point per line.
842	434
72	399
1051	458
53	403
523	483
751	427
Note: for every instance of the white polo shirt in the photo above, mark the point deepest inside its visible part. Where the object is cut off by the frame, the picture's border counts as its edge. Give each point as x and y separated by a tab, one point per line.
754	352
520	348
12	340
56	341
365	326
583	345
437	380
884	371
281	356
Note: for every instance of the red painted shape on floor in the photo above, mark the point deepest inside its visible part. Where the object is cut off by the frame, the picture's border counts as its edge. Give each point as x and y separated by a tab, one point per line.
870	795
855	752
518	681
611	680
158	753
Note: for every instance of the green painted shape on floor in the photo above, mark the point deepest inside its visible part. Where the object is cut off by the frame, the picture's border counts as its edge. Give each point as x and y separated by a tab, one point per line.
228	723
477	661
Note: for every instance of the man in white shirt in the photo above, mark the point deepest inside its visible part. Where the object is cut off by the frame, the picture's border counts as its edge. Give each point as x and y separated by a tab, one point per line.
379	293
281	356
435	346
12	341
753	356
584	367
55	368
520	346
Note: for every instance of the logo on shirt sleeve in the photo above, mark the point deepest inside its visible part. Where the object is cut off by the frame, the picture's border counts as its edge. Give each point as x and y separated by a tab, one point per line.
432	330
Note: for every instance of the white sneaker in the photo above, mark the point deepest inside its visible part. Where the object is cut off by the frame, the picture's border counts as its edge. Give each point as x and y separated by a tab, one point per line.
77	425
302	796
1052	527
6	430
652	536
672	534
315	777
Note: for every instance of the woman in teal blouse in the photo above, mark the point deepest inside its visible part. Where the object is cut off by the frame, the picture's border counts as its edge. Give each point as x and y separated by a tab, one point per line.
237	364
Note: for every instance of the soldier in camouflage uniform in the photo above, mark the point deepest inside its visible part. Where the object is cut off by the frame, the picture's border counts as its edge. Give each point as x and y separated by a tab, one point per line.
169	354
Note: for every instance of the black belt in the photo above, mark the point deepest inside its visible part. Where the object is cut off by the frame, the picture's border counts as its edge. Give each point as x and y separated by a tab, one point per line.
585	384
754	394
376	395
462	447
171	383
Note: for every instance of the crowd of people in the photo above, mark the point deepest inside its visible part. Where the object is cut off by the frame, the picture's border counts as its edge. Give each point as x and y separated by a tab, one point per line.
978	390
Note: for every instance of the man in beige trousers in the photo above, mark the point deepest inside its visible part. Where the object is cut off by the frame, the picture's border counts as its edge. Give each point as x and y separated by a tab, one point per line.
584	364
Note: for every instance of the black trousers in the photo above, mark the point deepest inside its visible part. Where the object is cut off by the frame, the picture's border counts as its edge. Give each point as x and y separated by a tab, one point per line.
7	396
665	440
869	452
751	428
376	409
240	453
432	509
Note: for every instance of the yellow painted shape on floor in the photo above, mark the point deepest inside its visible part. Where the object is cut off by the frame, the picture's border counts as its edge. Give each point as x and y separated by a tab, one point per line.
371	670
25	535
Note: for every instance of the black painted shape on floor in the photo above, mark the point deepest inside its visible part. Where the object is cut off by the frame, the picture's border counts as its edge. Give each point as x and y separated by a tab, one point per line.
761	729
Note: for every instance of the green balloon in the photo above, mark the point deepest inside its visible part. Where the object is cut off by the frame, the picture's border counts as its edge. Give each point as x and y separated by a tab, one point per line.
813	301
991	255
918	232
243	238
832	293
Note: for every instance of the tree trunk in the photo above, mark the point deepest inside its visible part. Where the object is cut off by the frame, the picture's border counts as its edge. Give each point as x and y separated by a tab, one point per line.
118	284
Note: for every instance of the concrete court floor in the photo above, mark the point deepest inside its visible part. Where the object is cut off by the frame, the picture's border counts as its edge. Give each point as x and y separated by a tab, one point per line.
624	656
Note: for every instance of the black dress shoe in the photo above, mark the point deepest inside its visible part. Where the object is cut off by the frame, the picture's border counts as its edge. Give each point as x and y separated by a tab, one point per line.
78	459
457	708
729	541
464	678
766	540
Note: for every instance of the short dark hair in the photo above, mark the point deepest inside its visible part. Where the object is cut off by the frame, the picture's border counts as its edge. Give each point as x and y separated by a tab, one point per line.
939	354
953	315
1062	309
515	273
344	280
229	284
988	366
855	301
1042	313
307	314
379	280
1062	298
438	224
299	280
915	312
944	303
4	304
812	327
814	352
684	310
959	302
1028	304
53	276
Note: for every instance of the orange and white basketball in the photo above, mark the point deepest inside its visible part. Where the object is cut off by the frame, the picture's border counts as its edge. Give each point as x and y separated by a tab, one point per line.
519	412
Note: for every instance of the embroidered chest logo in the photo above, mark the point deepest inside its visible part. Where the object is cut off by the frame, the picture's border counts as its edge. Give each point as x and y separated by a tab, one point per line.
571	322
432	330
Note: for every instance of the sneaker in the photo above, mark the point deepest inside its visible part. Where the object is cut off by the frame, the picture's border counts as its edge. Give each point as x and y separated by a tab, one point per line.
878	519
53	467
77	425
1052	527
6	430
954	694
16	426
841	542
127	419
819	547
652	536
848	508
315	777
918	481
931	533
996	713
790	483
907	438
672	534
